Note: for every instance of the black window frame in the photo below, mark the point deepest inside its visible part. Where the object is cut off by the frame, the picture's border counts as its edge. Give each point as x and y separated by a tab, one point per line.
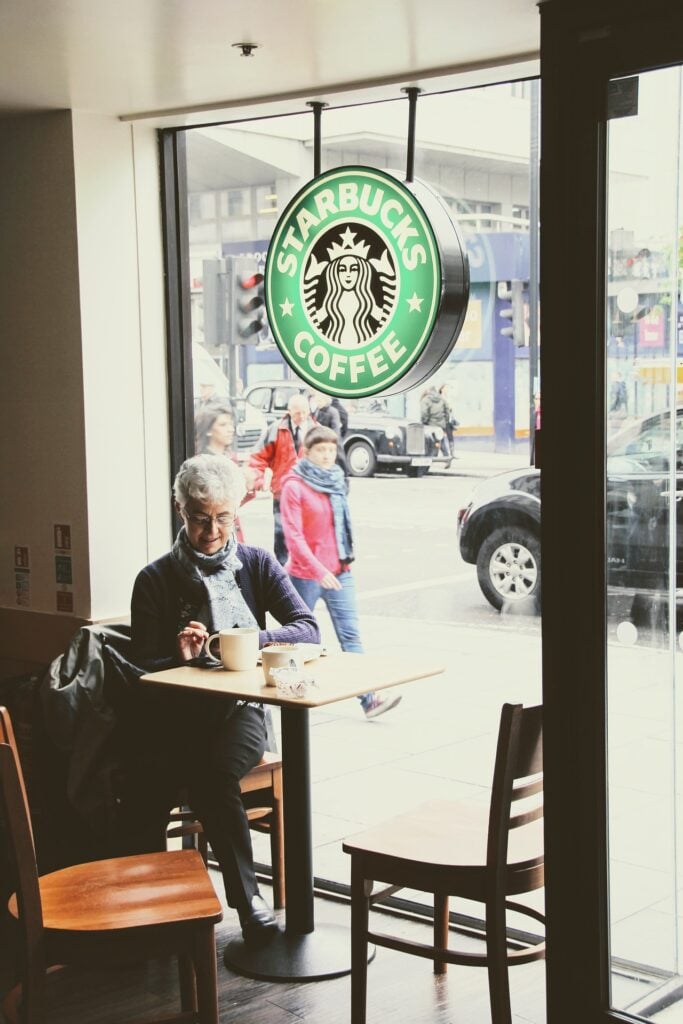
583	46
175	239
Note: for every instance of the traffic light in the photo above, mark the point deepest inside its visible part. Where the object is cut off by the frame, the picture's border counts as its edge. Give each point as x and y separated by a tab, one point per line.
234	312
246	301
514	294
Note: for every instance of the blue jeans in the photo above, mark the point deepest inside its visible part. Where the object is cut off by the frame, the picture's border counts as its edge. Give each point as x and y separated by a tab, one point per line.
341	605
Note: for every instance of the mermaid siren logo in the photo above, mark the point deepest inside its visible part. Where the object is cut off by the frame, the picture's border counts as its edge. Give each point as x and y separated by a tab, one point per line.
366	283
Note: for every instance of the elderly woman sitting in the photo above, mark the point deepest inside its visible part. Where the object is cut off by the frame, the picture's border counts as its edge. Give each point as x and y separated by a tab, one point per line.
207	582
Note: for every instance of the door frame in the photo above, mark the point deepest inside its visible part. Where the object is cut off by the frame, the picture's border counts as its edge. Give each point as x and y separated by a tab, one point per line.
582	47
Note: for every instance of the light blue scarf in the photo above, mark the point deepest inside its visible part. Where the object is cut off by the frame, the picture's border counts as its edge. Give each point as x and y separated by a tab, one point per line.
212	577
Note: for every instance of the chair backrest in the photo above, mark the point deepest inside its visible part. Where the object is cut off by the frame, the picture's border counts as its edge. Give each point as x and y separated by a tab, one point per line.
19	835
517	776
7	736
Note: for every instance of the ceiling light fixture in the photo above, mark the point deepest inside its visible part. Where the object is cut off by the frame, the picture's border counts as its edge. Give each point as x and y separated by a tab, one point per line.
246	48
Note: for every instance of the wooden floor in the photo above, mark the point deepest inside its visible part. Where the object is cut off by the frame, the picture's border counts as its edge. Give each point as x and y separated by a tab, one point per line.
401	989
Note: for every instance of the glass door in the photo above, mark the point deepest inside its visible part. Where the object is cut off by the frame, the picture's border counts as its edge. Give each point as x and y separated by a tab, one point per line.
643	512
611	139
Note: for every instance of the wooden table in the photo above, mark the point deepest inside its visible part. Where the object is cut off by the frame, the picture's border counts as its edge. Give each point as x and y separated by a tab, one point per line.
301	951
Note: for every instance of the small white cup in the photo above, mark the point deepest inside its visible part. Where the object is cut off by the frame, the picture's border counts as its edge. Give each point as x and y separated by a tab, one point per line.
238	647
279	656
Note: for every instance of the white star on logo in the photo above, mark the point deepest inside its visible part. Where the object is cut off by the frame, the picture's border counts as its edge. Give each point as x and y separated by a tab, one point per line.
286	307
348	237
415	304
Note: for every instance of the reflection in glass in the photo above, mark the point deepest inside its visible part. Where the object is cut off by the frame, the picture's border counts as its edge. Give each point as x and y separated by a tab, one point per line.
214	424
644	482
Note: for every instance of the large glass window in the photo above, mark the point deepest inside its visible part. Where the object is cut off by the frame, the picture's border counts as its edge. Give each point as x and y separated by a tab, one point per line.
644	427
446	514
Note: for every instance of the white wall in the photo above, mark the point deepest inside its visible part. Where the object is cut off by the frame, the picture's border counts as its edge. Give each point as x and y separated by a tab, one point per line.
83	387
152	340
42	447
120	276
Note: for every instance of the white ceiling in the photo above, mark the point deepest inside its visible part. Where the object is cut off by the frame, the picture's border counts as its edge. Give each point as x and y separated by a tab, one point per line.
164	58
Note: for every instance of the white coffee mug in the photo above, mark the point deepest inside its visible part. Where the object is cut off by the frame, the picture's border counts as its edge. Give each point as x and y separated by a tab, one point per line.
280	656
238	647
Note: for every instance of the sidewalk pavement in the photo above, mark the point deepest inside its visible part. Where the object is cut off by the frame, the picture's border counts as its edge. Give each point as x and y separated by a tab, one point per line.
483	464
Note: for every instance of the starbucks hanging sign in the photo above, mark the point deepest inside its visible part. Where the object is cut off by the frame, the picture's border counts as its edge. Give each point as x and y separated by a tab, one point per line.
366	283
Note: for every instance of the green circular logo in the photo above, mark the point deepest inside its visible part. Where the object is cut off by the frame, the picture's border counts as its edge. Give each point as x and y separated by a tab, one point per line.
353	282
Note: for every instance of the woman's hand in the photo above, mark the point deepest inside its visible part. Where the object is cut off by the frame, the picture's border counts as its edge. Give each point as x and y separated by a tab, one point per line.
191	640
330	582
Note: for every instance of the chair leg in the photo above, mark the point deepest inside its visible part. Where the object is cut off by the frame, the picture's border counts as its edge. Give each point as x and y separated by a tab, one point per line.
188	983
440	930
203	847
25	1004
497	962
205	971
277	849
360	906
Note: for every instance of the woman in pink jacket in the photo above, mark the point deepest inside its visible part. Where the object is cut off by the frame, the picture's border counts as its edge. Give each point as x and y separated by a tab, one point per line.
317	527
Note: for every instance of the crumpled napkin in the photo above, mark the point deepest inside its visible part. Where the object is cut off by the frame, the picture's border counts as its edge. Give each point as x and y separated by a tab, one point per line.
291	681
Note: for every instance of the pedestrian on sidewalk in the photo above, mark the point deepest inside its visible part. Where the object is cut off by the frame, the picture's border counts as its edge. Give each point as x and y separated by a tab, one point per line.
317	525
325	413
280	450
451	422
434	413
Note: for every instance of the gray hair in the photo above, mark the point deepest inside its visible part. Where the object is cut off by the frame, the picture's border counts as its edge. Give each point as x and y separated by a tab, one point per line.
209	478
297	402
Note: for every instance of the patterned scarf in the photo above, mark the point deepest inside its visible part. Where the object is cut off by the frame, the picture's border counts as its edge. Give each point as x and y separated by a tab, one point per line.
331	482
212	578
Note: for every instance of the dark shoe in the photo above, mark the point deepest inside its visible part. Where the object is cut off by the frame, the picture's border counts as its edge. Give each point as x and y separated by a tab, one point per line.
258	924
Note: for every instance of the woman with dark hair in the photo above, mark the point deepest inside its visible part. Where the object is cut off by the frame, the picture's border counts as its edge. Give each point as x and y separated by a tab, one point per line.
214	427
208	582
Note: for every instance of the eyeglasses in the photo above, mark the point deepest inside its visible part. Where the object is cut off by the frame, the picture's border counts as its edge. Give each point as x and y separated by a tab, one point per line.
200	519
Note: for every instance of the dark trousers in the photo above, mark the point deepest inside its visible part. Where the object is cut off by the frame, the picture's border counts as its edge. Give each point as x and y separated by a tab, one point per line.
207	751
279	543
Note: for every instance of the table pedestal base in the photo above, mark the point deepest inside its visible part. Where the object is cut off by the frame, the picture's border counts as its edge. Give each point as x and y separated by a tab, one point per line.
325	953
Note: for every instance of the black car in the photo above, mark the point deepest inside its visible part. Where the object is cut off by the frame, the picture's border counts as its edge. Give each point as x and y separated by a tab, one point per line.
499	531
374	439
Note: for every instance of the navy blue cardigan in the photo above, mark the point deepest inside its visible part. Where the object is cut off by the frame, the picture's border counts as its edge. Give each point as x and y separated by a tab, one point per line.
161	607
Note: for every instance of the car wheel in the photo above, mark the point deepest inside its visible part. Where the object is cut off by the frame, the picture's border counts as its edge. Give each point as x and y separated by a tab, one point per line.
509	567
361	459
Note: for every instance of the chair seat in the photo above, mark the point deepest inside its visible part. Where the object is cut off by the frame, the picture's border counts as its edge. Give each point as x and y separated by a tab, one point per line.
105	912
258	776
128	892
444	834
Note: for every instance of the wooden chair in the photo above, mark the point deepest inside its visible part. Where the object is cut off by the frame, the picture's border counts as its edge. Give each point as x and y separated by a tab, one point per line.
262	794
452	849
110	911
